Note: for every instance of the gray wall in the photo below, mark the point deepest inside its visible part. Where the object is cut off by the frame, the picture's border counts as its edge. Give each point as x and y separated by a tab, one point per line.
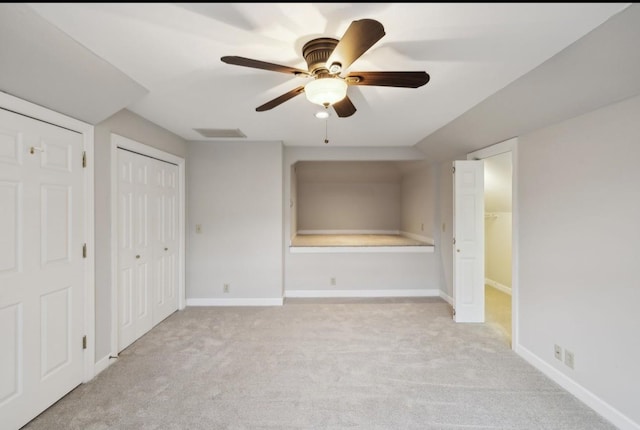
579	229
348	196
235	194
419	206
497	248
132	126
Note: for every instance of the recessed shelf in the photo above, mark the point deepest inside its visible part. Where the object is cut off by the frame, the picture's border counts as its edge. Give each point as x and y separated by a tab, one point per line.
360	249
358	243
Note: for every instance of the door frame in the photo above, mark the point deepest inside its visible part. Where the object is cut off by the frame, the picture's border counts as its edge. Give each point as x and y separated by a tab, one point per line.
23	107
510	145
118	141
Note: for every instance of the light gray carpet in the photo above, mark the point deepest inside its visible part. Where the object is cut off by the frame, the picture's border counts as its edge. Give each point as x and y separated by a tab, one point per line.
326	364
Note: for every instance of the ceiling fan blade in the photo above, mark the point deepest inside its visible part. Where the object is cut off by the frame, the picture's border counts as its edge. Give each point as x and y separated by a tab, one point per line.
256	64
359	37
389	79
344	107
279	100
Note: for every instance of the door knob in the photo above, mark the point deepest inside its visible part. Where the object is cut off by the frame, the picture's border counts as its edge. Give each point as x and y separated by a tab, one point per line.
166	249
137	256
457	250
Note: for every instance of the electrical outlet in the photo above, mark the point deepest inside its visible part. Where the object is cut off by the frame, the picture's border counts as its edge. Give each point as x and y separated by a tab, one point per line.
332	281
568	358
557	352
225	288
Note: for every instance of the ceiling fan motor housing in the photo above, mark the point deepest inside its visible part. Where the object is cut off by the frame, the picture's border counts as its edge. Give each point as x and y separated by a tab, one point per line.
316	52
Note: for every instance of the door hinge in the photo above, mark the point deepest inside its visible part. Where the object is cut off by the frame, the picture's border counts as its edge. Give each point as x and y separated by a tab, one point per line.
84	342
454	170
454	240
84	251
84	158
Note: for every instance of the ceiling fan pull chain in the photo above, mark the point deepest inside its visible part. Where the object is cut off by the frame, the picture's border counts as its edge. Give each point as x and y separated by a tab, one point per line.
326	132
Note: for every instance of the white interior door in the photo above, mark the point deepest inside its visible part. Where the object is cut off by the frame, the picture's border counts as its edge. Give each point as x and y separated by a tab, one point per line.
41	266
135	317
166	240
148	244
468	247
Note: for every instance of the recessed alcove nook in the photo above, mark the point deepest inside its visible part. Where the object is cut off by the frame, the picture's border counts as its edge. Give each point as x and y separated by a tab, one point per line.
346	205
362	228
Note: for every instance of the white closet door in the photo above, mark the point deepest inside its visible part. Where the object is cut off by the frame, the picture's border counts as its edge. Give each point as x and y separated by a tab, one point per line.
135	274
166	240
148	241
41	266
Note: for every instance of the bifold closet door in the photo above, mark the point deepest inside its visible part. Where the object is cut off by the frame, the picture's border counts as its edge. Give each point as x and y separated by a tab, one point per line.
134	248
148	241
166	240
41	266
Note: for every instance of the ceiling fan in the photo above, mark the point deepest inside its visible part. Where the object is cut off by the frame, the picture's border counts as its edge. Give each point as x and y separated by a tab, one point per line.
326	59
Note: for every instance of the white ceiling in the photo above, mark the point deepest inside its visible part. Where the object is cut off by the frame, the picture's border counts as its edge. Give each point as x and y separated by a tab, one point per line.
173	50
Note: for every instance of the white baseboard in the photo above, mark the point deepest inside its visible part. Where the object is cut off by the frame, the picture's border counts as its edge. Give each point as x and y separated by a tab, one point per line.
102	364
360	293
616	417
446	297
497	285
234	302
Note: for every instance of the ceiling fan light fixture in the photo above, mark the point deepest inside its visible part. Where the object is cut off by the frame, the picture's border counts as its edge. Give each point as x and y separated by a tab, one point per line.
326	57
326	91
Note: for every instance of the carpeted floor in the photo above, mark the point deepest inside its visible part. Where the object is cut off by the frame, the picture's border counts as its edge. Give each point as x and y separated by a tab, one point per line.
320	364
498	310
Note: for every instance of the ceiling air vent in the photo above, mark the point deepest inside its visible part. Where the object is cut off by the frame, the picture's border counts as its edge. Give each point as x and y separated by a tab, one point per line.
220	132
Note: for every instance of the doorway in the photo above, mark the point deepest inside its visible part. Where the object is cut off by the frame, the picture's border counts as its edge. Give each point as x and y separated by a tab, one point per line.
500	236
498	233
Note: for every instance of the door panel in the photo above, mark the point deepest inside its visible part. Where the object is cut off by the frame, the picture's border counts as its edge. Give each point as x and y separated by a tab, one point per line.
125	293
56	156
10	145
55	330
56	224
10	226
468	249
41	265
142	223
166	241
126	253
134	314
142	301
10	354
